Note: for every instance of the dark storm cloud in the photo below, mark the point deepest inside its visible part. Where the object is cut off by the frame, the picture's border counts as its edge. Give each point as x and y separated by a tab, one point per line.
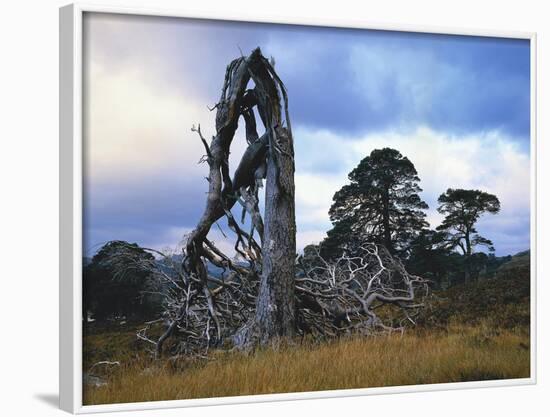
343	84
364	81
473	83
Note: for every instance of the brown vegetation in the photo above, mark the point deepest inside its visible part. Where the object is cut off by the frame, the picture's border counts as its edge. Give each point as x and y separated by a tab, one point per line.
478	331
424	357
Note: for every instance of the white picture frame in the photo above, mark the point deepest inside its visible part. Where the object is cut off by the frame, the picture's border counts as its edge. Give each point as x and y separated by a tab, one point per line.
71	176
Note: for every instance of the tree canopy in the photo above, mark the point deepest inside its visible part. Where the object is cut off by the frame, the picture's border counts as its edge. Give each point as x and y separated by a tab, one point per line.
115	285
381	204
430	259
462	210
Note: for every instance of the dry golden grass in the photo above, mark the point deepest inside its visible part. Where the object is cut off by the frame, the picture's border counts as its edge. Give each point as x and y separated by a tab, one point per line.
421	357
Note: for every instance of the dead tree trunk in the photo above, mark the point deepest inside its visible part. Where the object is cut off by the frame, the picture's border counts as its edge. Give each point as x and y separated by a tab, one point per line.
274	314
275	310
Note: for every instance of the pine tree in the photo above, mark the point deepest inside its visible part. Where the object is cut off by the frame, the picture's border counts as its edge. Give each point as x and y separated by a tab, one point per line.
381	204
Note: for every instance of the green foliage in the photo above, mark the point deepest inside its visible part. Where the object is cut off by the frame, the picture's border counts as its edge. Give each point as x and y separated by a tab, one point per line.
380	204
116	281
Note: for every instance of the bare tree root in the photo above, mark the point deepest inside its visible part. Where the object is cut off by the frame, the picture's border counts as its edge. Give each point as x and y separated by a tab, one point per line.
368	293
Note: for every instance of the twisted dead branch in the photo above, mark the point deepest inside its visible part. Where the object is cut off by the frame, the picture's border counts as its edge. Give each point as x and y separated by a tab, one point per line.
368	293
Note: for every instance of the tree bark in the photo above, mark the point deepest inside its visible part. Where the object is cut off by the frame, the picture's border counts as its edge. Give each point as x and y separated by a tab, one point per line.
386	220
467	272
275	310
275	306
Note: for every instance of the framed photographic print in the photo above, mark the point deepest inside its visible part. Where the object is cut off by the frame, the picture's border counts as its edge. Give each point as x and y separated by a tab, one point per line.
267	210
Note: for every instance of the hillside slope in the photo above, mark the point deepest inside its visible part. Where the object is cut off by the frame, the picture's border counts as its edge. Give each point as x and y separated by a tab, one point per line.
501	301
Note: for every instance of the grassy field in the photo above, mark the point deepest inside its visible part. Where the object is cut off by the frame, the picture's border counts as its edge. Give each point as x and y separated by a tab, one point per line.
460	354
478	332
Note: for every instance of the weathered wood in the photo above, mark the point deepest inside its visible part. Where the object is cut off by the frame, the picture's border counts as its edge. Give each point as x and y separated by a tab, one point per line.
275	311
275	305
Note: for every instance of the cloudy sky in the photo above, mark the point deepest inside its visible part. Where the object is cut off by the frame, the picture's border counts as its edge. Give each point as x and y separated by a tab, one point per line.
457	107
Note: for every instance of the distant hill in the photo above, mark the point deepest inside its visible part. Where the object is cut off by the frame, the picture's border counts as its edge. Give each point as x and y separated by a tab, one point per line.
213	270
519	262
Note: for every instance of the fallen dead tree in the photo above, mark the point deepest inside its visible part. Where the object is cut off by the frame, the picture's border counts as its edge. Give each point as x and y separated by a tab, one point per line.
344	295
367	293
264	292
